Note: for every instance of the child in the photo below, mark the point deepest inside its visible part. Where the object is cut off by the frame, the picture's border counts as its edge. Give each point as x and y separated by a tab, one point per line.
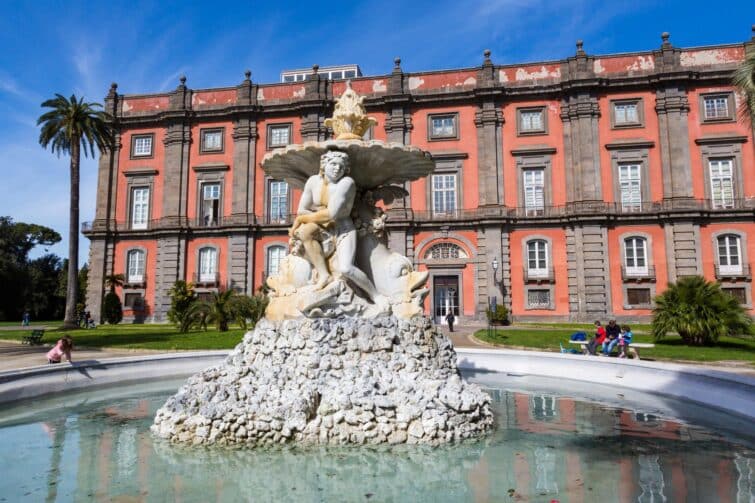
597	340
625	338
63	347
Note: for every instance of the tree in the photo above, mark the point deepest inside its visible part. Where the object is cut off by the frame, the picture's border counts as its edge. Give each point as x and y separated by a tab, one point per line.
247	311
699	311
112	309
744	80
113	281
73	125
182	298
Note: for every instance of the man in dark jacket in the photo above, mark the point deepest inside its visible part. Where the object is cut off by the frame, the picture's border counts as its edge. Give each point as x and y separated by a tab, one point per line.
612	333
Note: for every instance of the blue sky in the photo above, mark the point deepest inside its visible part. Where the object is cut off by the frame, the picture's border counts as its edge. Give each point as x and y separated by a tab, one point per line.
81	47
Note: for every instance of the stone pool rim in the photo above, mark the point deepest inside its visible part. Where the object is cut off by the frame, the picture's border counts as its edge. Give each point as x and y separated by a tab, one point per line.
725	391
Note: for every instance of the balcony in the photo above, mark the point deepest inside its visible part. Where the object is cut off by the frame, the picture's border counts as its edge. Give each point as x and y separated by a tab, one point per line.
279	219
136	281
539	275
207	221
638	274
731	273
211	280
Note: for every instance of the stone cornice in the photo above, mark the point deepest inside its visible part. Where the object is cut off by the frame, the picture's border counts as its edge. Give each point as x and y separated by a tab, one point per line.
721	139
140	172
630	144
209	167
534	150
448	155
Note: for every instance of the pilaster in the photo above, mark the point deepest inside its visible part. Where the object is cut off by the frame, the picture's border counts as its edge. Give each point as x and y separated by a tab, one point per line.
588	268
244	156
314	106
398	118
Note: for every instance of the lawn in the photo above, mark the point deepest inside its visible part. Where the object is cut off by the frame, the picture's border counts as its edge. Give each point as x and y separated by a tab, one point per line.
147	336
671	348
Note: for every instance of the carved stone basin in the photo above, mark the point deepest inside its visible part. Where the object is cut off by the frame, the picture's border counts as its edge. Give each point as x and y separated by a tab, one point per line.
373	163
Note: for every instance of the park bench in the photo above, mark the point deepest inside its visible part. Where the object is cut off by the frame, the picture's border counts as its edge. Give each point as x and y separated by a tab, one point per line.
632	350
34	338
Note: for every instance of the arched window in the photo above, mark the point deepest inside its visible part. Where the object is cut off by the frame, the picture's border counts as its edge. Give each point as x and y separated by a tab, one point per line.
537	258
274	256
442	251
729	254
636	255
208	264
135	266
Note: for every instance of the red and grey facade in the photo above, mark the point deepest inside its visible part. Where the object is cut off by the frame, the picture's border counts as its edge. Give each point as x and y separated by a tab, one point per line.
593	182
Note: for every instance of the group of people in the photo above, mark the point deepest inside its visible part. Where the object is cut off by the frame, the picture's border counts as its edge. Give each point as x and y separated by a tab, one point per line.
607	338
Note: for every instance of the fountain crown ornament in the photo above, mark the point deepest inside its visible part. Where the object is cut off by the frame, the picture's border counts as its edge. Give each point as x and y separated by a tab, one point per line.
350	121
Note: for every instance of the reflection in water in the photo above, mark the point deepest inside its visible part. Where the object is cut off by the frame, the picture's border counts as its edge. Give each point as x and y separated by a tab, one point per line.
546	447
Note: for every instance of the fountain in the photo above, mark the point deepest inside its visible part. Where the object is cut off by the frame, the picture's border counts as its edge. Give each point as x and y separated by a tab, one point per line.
343	354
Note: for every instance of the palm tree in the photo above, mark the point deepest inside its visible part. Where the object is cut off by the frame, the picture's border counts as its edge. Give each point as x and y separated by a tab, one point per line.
113	281
699	311
744	80
68	128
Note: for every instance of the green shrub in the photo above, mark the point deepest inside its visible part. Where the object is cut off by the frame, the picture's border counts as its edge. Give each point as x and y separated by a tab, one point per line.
182	298
112	310
247	311
499	317
699	311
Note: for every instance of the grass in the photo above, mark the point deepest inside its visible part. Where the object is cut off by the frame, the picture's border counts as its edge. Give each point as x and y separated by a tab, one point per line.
147	336
670	348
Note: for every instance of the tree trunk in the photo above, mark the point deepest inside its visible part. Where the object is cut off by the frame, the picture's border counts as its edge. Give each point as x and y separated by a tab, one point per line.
72	291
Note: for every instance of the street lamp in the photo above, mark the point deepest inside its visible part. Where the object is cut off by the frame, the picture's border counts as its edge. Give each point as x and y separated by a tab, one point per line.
492	308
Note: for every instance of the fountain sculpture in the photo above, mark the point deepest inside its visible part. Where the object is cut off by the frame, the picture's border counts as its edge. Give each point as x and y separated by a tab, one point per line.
343	354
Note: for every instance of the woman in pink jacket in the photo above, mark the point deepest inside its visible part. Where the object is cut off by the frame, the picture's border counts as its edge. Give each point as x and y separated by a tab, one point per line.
63	347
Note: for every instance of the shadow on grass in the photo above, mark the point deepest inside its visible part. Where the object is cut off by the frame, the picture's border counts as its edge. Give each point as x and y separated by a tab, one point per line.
728	345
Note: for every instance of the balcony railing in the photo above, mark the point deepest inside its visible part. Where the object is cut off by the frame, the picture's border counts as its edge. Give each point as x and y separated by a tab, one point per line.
741	272
539	275
135	281
206	280
638	274
575	209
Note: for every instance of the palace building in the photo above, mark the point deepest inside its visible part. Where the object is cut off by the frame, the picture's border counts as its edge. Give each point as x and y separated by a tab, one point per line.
590	183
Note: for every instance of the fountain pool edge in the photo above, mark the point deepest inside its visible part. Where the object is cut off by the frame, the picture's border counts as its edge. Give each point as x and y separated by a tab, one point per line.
721	390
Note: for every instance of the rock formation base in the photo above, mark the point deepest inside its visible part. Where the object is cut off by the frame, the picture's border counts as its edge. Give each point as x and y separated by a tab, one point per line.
330	381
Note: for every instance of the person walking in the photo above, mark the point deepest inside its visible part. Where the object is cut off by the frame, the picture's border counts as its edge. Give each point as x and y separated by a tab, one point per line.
450	320
26	319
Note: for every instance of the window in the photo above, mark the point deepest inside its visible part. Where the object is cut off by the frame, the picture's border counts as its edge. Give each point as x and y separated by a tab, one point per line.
278	135
721	183
544	407
443	127
445	251
534	184
635	256
738	293
208	263
626	113
139	207
717	107
537	258
133	301
278	200
729	253
211	140
444	194
336	75
135	266
141	145
630	187
349	74
531	120
638	296
210	203
288	78
274	256
538	298
204	296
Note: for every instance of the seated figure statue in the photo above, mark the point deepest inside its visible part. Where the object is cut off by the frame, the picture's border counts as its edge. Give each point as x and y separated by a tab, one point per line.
323	232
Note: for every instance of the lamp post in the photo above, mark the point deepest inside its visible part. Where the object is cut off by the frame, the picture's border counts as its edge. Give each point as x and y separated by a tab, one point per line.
492	308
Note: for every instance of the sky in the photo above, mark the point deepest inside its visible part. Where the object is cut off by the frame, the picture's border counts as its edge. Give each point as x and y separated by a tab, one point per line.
72	47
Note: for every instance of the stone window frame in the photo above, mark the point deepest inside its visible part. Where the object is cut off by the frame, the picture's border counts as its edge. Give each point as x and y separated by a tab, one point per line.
722	148
745	282
535	160
447	269
430	248
266	250
133	146
631	153
424	246
138	180
198	264
207	176
126	264
545	283
266	210
446	166
456	133
203	132
628	125
730	103
520	131
134	291
640	281
269	138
